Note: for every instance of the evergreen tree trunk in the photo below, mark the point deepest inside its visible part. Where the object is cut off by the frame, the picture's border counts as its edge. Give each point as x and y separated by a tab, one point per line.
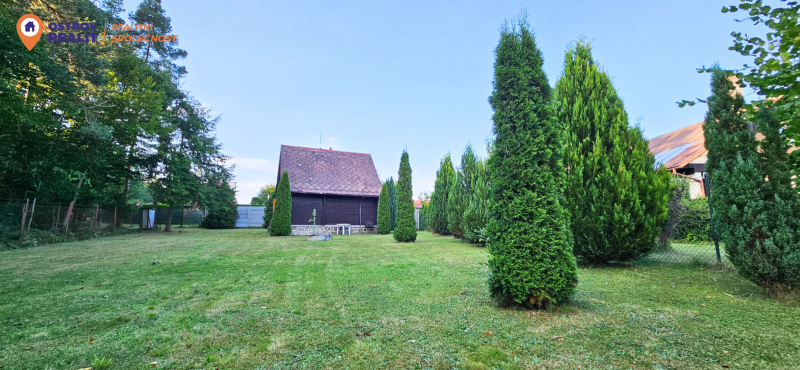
531	259
406	228
168	225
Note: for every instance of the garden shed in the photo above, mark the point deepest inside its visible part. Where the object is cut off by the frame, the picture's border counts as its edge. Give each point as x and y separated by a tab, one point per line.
343	187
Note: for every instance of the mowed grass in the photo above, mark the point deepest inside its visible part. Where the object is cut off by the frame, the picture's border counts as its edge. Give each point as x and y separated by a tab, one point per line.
238	299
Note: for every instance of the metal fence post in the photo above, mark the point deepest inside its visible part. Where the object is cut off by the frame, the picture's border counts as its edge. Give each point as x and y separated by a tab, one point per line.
707	185
24	216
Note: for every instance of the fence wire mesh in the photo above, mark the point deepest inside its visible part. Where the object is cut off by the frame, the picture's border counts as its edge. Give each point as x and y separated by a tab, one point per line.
682	252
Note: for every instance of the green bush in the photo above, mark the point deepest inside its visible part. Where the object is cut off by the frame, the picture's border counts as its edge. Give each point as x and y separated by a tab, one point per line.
392	191
268	211
282	215
694	224
384	213
531	261
222	210
757	220
476	215
406	228
456	205
437	214
617	203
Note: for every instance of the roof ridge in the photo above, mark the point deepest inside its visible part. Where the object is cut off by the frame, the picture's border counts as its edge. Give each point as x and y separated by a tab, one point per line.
323	150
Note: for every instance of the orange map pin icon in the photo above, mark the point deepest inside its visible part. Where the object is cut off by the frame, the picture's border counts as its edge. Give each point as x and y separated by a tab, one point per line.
29	29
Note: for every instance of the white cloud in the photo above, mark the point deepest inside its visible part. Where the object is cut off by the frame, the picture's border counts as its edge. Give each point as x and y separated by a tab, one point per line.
253	163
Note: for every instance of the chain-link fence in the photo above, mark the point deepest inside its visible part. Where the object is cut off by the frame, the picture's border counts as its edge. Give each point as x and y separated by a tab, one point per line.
26	223
678	252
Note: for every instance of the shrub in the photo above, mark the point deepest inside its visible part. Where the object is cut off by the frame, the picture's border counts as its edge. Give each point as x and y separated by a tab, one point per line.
406	228
531	261
617	203
281	224
437	214
695	222
222	210
456	205
392	191
268	211
476	215
384	215
757	220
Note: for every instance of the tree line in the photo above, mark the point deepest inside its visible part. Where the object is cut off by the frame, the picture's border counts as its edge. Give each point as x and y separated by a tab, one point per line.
105	123
569	180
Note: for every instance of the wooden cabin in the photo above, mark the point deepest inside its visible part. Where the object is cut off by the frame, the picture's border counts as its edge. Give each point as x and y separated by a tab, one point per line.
343	187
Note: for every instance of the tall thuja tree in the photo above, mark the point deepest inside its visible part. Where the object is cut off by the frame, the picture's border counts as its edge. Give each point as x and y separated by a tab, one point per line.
384	216
756	220
392	193
268	204
756	209
531	259
476	216
456	204
406	229
460	192
437	212
617	202
281	224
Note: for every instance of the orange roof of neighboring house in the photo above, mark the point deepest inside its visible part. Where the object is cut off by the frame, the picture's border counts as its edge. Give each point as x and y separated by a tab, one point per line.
677	148
418	203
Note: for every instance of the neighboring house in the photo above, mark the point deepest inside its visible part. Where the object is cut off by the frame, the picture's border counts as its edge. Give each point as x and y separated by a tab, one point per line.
342	187
30	27
417	209
683	152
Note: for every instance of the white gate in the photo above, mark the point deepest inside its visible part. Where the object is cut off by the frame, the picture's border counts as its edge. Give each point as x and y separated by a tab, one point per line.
250	216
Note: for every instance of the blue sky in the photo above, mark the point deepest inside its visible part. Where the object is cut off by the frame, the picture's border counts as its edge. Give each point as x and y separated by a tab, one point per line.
378	76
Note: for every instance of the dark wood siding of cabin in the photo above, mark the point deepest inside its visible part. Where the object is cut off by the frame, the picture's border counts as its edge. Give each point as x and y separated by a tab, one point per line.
334	209
303	205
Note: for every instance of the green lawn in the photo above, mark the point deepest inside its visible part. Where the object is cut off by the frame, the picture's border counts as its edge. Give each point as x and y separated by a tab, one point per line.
237	299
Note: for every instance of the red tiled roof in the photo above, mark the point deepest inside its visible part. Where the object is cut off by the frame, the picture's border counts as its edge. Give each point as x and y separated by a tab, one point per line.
418	203
320	171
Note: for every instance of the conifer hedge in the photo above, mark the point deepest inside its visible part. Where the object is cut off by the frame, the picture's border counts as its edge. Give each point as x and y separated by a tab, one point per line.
392	191
268	211
406	228
531	261
476	215
384	216
456	205
617	202
756	219
437	212
281	224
